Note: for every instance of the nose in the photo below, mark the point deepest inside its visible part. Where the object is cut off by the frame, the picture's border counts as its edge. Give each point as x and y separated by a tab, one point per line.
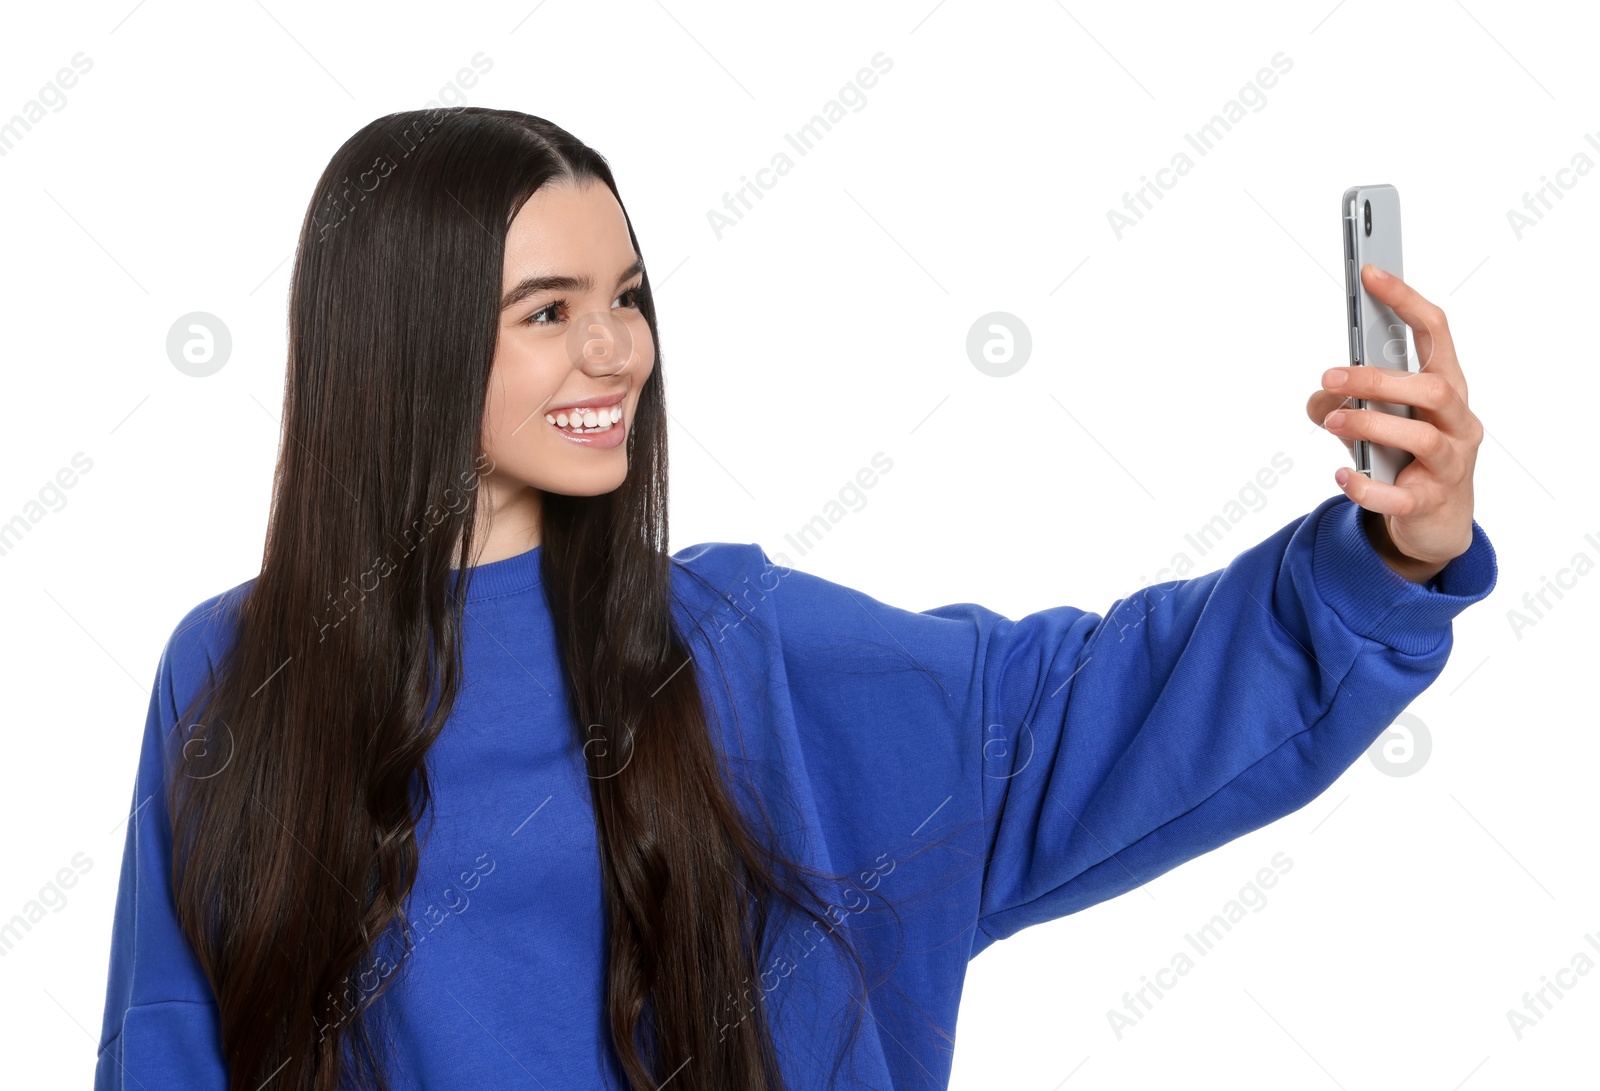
600	345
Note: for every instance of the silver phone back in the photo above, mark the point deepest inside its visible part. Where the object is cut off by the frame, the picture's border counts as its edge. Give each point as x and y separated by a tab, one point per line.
1377	336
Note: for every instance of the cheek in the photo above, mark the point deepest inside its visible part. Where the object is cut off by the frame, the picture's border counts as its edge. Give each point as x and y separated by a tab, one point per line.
521	380
644	350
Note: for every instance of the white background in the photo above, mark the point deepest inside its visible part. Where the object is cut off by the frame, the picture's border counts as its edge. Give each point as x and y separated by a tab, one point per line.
829	325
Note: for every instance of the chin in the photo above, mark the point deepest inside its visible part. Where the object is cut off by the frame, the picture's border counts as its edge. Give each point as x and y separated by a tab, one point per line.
593	481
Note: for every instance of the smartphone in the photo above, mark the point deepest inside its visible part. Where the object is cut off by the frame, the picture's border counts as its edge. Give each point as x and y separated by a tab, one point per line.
1377	336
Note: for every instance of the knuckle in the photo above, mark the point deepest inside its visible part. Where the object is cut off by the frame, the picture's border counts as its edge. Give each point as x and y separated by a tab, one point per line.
1436	389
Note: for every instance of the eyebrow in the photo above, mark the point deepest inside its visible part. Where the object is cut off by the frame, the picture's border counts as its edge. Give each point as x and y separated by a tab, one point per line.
528	286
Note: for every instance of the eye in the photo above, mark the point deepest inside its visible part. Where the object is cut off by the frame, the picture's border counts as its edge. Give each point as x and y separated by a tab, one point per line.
632	295
534	318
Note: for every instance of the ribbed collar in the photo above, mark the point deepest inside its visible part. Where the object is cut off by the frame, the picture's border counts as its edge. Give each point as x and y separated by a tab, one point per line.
507	576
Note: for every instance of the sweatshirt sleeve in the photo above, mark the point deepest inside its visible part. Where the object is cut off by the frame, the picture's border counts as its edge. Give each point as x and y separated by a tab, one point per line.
160	1027
1101	751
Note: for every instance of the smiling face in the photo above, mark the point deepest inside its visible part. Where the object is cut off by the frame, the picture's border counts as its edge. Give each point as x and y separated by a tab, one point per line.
573	353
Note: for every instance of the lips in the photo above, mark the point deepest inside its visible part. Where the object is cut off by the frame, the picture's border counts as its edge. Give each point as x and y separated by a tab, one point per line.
603	401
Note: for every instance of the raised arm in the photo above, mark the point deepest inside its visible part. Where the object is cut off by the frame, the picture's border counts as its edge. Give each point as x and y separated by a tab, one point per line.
1099	751
1196	711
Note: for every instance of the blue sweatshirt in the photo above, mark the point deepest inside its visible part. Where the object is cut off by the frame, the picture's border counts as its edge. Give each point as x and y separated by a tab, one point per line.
982	774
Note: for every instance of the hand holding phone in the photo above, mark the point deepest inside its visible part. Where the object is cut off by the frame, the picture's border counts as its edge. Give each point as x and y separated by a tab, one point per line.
1376	335
1419	525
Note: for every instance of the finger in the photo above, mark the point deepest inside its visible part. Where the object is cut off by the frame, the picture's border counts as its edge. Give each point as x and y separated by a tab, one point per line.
1378	496
1428	391
1425	442
1320	405
1323	402
1436	350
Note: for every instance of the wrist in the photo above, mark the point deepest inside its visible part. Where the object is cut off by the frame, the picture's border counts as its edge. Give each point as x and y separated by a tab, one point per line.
1410	567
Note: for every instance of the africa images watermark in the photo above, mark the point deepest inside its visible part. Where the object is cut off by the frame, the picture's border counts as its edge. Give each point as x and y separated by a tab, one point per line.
341	204
1253	94
52	896
382	565
1537	604
355	996
852	95
53	94
742	604
1202	941
50	498
1538	202
1205	538
1537	1005
782	965
851	497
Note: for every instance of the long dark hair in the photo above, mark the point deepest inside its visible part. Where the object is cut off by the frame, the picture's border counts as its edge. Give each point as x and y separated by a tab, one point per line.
297	829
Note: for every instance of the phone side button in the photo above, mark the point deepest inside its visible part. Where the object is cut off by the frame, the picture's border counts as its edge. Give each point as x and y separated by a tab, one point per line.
1355	345
1350	276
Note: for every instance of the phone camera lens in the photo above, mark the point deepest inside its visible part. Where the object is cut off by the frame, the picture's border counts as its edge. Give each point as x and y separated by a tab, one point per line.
1367	215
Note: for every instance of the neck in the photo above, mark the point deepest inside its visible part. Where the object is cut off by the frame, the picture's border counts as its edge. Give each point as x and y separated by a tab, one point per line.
509	520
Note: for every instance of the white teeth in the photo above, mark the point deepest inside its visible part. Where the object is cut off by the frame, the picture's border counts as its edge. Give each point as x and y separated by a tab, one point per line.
587	421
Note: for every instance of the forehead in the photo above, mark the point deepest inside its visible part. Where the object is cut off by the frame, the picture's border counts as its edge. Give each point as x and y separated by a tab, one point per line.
568	227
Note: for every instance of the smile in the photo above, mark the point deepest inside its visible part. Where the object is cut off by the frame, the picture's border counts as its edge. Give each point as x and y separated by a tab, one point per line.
585	422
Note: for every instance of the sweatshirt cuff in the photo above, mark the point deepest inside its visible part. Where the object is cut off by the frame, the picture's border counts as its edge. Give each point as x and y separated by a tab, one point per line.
1377	602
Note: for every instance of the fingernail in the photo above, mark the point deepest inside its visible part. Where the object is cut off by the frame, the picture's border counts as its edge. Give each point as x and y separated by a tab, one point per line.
1341	475
1379	273
1335	377
1333	420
